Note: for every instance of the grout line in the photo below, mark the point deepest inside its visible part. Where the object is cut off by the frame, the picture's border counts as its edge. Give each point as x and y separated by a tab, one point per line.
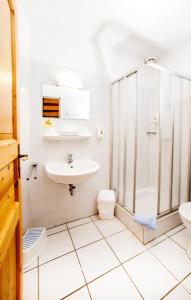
172	289
105	237
88	244
65	297
166	237
72	222
79	263
178	281
89	221
177	244
179	284
120	264
55	226
175	232
56	232
57	257
95	219
67	228
24	272
127	260
70	251
183	285
75	249
163	265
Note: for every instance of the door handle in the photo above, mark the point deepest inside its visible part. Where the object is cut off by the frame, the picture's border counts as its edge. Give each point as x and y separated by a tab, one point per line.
24	157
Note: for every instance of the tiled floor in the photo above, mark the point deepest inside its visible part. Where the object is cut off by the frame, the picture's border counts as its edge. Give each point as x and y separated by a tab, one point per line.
92	259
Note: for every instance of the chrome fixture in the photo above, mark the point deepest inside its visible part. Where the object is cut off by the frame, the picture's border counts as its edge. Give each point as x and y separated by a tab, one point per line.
151	132
70	158
32	168
150	60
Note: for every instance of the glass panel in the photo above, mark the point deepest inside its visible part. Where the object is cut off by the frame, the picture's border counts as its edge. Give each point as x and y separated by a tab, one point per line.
147	141
115	137
176	92
121	142
151	141
185	146
166	121
130	141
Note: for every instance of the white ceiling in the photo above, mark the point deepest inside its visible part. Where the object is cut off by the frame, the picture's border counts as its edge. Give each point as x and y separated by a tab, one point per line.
145	27
166	23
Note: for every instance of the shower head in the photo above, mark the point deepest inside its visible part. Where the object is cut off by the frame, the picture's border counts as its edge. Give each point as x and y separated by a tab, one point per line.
150	60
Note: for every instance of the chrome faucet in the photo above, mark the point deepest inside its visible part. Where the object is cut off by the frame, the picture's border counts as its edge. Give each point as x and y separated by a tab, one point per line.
70	158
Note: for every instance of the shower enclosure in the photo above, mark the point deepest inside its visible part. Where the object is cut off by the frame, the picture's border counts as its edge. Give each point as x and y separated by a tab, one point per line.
151	140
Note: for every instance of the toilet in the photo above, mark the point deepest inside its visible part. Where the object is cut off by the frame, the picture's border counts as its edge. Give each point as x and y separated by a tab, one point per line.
185	214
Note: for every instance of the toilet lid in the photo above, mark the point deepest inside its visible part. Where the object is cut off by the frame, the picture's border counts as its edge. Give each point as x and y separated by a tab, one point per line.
185	210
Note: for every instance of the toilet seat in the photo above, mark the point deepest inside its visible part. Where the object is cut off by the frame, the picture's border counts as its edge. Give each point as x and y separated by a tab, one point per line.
185	211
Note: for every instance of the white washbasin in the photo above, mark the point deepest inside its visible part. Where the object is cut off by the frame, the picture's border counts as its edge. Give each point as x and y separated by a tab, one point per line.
76	172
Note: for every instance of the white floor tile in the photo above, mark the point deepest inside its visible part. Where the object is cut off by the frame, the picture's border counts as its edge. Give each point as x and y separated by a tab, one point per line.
82	294
79	222
174	230
84	235
173	257
33	265
114	285
60	277
182	238
179	293
96	259
125	245
108	227
149	275
57	245
95	217
56	229
187	283
156	241
30	285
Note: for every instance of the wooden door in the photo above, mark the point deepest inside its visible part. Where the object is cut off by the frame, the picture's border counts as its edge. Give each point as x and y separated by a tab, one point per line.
10	210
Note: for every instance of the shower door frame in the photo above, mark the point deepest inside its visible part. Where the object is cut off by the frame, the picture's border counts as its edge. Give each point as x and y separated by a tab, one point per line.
170	209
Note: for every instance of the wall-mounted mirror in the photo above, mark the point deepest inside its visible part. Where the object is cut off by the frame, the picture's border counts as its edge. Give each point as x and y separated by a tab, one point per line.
65	103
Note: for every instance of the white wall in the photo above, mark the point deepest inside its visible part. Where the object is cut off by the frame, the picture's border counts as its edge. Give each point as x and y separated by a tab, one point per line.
50	203
178	60
119	62
48	54
23	104
49	57
46	203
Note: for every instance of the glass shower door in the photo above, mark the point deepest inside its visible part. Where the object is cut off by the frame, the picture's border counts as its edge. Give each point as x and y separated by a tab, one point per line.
166	143
115	138
130	143
147	149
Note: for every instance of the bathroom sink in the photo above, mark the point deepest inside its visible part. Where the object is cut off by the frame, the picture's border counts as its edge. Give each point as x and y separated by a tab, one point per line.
76	172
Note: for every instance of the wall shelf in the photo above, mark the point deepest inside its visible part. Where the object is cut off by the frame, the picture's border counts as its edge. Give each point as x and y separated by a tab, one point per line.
62	137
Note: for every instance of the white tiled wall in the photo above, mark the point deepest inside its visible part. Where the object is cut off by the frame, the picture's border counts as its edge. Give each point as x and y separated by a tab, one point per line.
49	203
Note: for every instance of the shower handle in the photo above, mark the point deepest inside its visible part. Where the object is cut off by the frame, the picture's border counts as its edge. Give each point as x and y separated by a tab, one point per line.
151	132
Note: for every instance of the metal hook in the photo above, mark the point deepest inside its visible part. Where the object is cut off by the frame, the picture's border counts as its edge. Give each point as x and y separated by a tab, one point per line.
32	167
